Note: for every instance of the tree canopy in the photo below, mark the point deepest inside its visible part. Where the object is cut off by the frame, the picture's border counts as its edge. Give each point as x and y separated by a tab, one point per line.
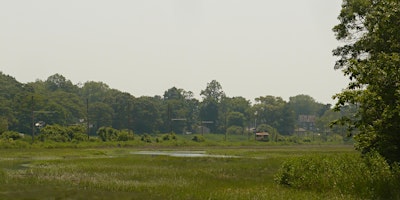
370	58
58	102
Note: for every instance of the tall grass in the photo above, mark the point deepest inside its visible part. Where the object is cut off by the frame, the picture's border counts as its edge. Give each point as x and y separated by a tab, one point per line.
117	173
369	177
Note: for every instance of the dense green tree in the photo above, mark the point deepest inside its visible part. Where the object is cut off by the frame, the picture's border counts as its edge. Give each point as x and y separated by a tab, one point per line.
95	91
287	121
269	109
213	92
174	94
59	82
122	105
275	112
235	119
176	110
57	101
100	115
146	114
305	105
72	108
210	106
209	115
10	91
370	58
236	104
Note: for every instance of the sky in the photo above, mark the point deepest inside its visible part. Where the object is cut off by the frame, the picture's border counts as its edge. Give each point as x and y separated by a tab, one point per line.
252	48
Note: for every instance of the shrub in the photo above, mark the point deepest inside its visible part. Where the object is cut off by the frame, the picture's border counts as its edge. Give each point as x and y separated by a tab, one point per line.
234	130
170	136
369	177
146	138
11	134
58	133
125	135
198	138
107	134
11	143
55	133
111	134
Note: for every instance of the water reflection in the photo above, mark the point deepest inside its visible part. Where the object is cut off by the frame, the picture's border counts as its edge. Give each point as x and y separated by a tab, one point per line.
182	154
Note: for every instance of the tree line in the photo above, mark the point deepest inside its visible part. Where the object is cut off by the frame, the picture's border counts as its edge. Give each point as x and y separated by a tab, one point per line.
25	108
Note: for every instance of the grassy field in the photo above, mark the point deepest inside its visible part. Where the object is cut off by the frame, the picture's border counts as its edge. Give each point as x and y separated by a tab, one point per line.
222	172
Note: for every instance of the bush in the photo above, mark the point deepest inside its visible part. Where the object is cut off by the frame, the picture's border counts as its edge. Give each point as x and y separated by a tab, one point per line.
125	135
234	130
170	136
369	178
198	138
111	134
11	134
146	138
58	133
107	133
10	143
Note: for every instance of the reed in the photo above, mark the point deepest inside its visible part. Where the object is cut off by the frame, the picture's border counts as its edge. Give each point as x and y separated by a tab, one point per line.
118	173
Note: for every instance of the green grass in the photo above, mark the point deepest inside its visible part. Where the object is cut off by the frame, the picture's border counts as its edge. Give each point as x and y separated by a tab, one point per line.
118	173
367	177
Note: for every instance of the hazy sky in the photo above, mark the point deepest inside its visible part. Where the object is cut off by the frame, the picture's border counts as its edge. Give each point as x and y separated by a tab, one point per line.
144	47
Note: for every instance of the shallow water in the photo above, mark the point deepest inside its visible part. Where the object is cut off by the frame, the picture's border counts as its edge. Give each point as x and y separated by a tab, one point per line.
181	154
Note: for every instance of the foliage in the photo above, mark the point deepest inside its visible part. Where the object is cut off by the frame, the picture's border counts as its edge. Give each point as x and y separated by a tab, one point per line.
146	138
169	136
367	178
146	114
179	110
11	135
125	135
3	124
56	100
235	119
213	92
234	130
276	112
111	134
371	60
118	173
58	133
198	138
306	105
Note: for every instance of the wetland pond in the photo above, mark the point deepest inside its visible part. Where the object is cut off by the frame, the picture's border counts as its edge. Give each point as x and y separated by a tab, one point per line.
181	154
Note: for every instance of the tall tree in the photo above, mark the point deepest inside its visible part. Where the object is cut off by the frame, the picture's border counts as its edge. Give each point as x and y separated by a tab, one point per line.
210	106
235	105
275	112
59	82
176	110
100	115
213	92
146	114
306	105
371	60
122	105
10	90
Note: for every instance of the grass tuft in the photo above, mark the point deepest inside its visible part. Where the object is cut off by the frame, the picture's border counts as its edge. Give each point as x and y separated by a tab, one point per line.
369	177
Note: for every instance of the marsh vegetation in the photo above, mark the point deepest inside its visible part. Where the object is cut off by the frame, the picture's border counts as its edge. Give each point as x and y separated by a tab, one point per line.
125	173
